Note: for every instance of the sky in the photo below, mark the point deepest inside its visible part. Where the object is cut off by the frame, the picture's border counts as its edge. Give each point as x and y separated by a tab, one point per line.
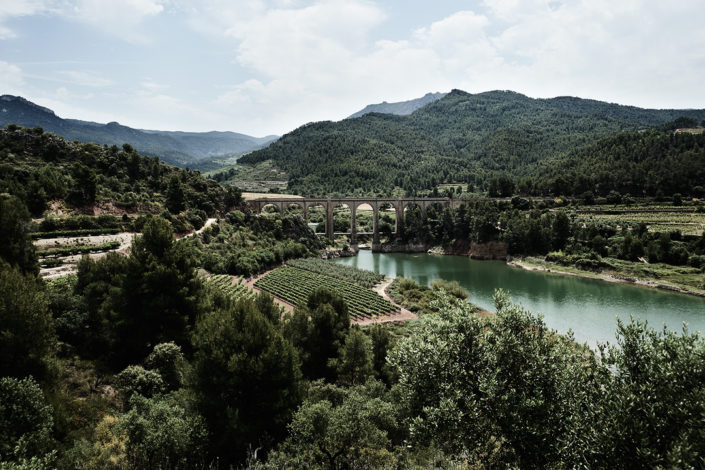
264	67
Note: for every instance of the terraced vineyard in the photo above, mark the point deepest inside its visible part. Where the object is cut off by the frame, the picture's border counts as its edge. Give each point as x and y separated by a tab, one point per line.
294	285
360	277
235	288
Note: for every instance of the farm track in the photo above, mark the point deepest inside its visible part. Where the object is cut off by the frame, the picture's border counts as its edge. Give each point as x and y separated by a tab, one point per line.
70	263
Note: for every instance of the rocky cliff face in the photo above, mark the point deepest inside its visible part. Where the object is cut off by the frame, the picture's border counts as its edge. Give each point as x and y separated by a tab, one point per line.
490	250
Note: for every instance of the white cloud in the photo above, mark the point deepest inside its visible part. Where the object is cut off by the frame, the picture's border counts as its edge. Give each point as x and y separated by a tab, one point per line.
18	8
10	78
117	17
328	58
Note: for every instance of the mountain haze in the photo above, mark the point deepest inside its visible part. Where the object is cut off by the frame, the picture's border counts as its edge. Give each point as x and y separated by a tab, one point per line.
177	148
462	137
401	108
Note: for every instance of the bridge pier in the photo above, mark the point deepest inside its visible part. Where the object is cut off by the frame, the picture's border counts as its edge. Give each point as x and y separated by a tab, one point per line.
329	205
329	220
353	225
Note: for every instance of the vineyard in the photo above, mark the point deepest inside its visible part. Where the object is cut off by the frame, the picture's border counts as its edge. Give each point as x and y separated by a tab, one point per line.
233	287
294	286
360	277
687	220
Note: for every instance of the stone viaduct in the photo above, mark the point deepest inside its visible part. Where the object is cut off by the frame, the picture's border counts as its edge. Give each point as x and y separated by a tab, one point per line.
399	205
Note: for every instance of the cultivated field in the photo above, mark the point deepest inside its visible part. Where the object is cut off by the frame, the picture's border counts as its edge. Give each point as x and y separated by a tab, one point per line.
294	286
657	218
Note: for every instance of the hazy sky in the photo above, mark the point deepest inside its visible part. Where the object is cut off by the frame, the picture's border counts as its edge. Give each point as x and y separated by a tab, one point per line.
265	67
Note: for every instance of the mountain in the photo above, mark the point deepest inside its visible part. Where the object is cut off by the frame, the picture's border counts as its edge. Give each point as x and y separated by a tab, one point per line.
655	162
462	137
401	108
177	148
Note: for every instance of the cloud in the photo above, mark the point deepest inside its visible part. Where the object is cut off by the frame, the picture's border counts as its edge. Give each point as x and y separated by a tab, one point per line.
10	78
120	18
18	8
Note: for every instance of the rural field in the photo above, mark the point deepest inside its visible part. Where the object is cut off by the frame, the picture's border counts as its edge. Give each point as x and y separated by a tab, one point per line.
690	220
294	284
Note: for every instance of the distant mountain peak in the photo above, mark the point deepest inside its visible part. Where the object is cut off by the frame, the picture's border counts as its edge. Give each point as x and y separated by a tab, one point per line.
401	108
26	102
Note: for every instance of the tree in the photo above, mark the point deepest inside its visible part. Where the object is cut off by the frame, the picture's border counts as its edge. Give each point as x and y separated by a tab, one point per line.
246	379
653	416
168	360
162	432
26	329
151	297
15	246
500	390
320	339
560	230
83	189
175	199
354	364
341	428
26	421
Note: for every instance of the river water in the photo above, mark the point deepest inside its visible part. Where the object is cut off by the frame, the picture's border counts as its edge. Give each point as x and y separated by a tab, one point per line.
589	307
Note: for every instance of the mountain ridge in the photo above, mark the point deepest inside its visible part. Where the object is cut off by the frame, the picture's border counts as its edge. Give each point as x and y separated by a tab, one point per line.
175	147
461	138
401	108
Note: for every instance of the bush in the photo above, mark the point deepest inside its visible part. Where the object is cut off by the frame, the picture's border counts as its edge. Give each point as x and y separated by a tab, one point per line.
168	360
138	380
25	418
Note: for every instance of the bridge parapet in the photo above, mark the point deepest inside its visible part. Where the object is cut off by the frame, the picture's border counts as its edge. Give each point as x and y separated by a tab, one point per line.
328	204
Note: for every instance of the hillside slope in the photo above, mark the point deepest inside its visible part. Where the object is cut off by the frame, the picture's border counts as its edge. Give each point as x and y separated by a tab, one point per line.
41	168
459	138
177	148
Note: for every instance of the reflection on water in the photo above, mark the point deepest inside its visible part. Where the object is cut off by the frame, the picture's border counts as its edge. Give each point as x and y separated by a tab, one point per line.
587	306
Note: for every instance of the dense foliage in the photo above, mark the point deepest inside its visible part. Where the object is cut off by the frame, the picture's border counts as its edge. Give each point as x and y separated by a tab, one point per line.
459	138
38	168
246	243
654	162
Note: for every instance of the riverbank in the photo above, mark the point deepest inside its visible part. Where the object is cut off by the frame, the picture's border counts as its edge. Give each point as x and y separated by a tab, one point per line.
627	276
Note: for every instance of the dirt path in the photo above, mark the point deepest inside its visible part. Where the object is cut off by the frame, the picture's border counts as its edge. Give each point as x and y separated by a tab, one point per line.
208	223
402	315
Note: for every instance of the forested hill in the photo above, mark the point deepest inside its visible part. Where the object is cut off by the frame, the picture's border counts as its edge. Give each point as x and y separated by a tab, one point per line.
40	168
177	148
654	162
459	138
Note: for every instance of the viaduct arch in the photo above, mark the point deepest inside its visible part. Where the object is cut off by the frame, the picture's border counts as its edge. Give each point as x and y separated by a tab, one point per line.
329	204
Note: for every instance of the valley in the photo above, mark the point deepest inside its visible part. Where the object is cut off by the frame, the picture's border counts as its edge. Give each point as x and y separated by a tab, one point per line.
157	291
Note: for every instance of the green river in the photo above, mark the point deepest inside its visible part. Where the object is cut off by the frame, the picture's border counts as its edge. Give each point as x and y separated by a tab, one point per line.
589	307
